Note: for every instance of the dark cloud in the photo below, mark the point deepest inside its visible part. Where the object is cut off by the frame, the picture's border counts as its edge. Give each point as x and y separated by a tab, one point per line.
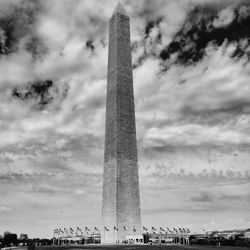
41	92
192	38
149	41
38	90
90	45
198	31
17	28
150	25
202	197
205	25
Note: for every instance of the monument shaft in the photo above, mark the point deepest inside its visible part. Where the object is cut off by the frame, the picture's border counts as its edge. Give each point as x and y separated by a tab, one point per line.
121	201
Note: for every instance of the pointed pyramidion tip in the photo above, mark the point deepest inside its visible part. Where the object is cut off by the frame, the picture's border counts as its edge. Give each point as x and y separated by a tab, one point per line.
120	9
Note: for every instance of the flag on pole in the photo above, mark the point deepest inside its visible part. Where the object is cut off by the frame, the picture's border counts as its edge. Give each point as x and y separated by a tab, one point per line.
162	230
145	229
87	229
115	228
153	229
124	228
96	229
134	230
106	229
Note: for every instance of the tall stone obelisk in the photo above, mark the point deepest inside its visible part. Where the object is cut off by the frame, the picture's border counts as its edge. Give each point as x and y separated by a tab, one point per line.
121	214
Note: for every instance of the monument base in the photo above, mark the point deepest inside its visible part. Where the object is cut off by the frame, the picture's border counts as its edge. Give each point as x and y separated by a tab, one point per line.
112	237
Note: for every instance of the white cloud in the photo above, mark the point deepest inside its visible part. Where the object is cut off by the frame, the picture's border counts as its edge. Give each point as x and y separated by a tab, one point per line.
225	17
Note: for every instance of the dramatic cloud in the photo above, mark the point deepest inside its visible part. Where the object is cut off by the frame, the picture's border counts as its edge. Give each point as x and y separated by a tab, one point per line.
191	80
207	25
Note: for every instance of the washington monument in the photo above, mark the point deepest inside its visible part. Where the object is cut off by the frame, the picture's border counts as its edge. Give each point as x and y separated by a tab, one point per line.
121	214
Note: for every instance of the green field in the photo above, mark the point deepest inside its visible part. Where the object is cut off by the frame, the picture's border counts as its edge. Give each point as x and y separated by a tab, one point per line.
138	247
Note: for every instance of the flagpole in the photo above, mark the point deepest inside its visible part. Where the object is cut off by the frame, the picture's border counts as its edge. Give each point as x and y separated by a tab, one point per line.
54	238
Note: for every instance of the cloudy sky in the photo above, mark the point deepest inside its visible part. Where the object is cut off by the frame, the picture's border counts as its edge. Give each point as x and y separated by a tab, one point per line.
192	96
